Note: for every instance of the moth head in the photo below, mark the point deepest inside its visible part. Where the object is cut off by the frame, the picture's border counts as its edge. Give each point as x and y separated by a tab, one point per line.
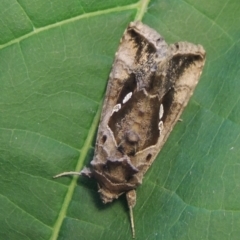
107	196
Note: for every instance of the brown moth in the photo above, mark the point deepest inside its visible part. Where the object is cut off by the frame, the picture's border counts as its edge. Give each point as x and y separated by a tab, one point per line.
149	86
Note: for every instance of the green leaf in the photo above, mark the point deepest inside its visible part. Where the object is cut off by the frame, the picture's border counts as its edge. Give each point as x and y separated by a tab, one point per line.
55	58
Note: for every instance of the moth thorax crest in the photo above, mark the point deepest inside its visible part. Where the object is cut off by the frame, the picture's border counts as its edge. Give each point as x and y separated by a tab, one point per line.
132	137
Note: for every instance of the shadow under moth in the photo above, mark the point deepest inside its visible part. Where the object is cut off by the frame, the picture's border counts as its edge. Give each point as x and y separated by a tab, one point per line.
150	84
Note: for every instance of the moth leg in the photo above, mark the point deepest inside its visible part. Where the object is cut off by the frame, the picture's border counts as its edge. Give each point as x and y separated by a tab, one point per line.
85	172
67	174
131	200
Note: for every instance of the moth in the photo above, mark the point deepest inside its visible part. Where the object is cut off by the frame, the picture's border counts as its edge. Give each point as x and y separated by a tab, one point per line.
149	85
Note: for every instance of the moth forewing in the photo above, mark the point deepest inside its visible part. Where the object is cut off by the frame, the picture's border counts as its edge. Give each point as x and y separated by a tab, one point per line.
149	86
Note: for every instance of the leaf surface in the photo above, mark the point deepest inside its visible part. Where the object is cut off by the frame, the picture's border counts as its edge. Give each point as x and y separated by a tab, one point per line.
55	58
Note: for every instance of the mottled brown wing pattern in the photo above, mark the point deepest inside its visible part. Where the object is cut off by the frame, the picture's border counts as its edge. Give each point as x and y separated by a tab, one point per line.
149	86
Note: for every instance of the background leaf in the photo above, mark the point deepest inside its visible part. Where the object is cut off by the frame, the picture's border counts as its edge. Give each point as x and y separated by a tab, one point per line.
55	57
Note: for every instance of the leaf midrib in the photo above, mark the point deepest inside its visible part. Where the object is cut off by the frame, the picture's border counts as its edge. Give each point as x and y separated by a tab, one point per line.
79	166
141	7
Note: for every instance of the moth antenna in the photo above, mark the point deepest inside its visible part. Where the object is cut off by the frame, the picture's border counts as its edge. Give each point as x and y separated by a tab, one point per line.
67	174
131	200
